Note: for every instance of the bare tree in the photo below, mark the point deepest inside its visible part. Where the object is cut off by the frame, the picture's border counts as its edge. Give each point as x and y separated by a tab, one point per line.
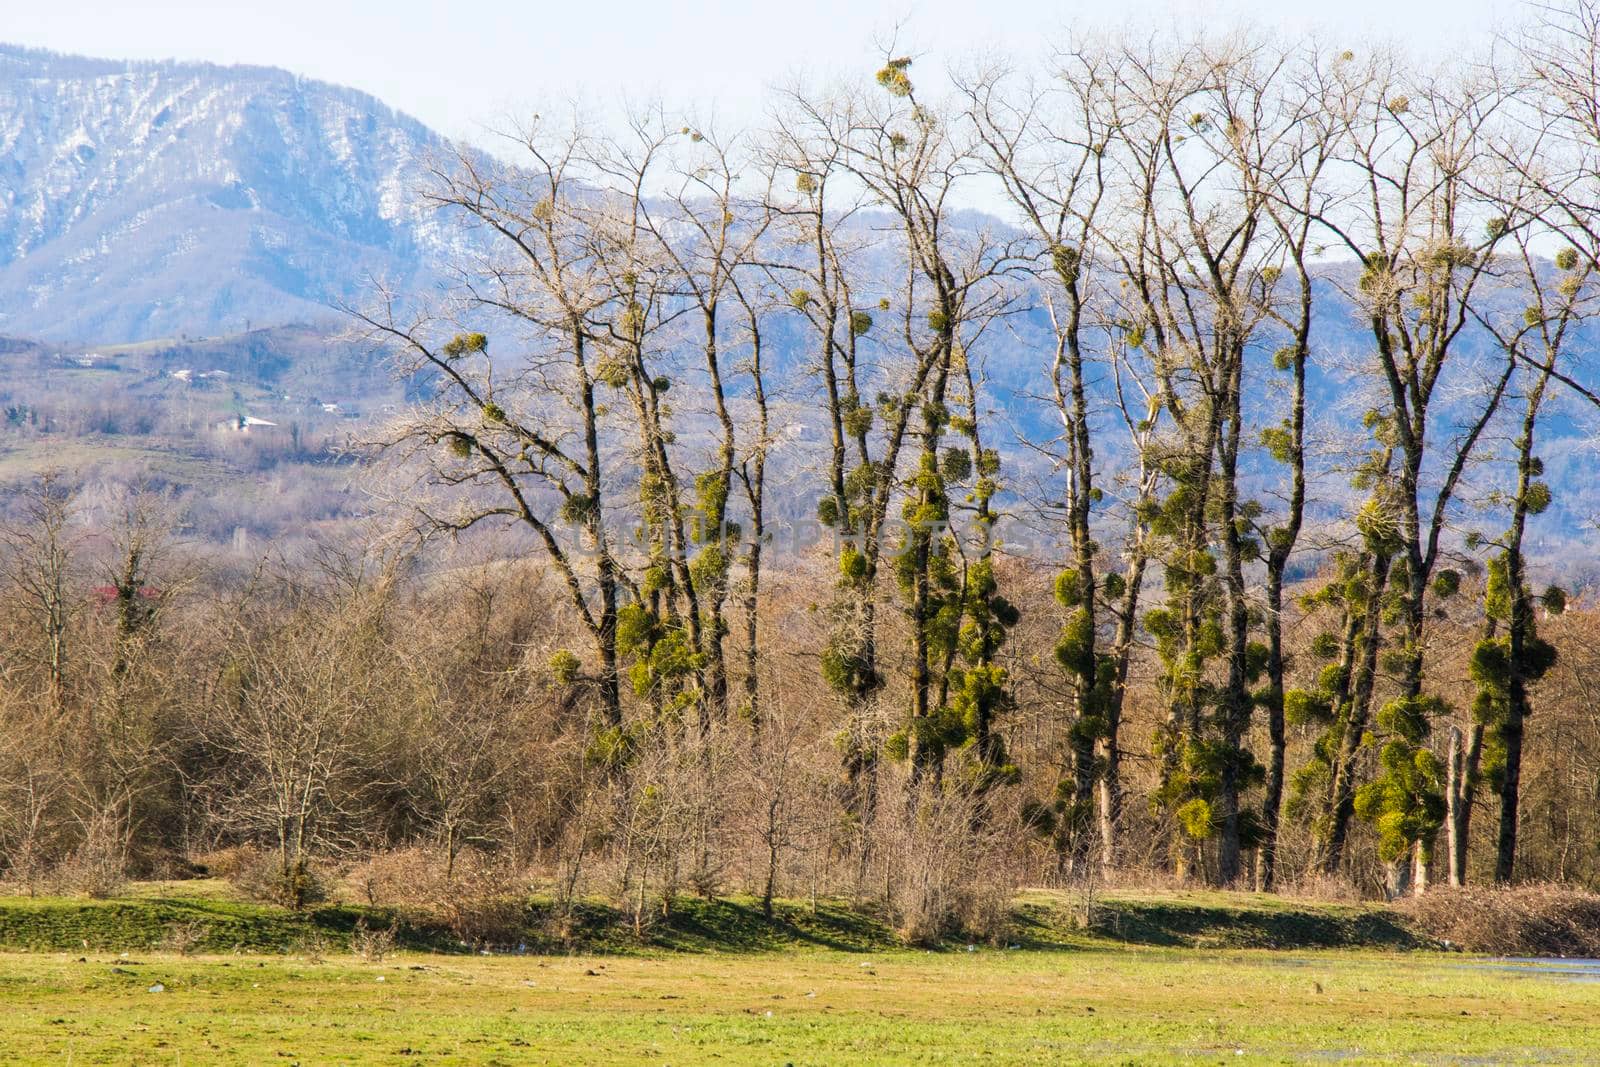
38	567
1414	148
1047	145
286	721
523	441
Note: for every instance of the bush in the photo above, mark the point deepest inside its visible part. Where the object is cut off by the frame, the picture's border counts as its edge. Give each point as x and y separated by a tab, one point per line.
1531	920
182	938
313	945
226	862
262	876
95	868
482	900
946	881
369	944
983	909
403	878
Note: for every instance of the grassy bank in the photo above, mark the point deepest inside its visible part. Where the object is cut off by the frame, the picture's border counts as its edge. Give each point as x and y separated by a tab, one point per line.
206	917
1210	919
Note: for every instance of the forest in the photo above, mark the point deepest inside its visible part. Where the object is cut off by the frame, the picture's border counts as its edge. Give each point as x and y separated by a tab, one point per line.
1125	467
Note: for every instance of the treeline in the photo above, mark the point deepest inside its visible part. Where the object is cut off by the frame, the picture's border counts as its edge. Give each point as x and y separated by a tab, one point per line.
657	694
373	717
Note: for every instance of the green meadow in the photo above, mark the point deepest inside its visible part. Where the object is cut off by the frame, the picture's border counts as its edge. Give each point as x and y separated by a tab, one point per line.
1155	980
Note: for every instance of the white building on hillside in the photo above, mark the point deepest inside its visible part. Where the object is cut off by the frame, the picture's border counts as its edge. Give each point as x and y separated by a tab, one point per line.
243	424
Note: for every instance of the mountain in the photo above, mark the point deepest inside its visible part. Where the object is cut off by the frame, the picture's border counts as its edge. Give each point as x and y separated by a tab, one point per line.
164	202
146	200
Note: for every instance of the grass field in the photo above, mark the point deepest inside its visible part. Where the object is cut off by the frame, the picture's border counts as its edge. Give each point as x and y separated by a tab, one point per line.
800	1007
1065	998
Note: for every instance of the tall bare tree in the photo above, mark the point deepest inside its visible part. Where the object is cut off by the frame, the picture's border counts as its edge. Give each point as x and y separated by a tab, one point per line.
523	440
1414	148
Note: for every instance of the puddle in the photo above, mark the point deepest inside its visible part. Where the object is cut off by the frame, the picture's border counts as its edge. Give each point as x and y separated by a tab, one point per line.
1571	970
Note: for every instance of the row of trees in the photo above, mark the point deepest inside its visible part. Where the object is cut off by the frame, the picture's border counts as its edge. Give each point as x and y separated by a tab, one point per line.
1185	220
1264	330
412	721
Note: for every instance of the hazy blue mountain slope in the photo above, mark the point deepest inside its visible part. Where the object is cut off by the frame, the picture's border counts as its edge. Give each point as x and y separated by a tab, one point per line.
147	200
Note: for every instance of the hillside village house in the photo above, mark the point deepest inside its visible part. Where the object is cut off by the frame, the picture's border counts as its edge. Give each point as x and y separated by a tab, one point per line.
243	424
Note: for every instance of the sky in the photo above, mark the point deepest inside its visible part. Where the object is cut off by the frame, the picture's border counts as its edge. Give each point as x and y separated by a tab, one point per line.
465	67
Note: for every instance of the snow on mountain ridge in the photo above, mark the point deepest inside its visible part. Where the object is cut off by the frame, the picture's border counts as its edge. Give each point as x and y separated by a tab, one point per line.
147	199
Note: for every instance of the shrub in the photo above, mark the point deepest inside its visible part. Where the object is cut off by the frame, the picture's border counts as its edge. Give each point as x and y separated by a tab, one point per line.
947	881
226	862
313	945
482	900
95	868
262	876
183	938
1530	920
369	944
400	878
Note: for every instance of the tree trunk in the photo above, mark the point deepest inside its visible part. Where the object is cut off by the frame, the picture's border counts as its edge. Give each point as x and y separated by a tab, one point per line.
1461	788
1341	802
1505	856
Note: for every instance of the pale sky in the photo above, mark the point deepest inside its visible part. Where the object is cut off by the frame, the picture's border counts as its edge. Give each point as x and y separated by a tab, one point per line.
467	65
